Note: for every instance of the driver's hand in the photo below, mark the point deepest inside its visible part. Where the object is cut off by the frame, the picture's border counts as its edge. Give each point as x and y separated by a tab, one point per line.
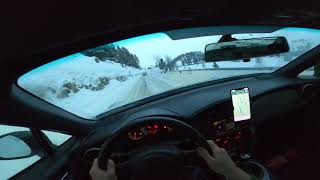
98	174
220	162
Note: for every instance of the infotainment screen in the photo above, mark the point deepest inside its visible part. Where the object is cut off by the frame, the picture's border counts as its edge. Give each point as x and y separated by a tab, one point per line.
241	104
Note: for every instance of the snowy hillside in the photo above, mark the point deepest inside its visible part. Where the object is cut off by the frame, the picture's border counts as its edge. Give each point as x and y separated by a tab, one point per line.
62	81
271	62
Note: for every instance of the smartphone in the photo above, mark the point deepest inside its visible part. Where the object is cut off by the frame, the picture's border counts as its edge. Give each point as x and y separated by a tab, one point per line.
241	104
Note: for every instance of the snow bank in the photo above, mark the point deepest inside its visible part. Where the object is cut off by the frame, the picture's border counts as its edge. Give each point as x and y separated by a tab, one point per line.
48	82
266	62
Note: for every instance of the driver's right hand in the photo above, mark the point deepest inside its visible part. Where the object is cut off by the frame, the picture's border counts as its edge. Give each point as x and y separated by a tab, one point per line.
99	174
220	162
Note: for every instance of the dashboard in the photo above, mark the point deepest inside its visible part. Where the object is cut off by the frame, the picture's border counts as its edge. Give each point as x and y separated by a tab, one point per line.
215	123
209	111
213	117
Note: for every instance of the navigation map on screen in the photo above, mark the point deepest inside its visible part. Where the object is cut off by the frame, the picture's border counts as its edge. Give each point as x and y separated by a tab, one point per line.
241	104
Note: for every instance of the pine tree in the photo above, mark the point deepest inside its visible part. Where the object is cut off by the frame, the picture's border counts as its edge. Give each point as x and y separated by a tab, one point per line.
113	53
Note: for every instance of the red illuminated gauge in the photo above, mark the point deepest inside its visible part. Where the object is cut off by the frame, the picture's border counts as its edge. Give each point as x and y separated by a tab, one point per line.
152	129
135	135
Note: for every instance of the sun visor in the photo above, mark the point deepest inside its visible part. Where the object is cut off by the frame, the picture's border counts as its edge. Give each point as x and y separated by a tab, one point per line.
219	30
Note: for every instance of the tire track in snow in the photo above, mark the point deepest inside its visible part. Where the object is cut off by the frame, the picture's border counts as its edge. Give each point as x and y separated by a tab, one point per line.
157	85
147	86
139	91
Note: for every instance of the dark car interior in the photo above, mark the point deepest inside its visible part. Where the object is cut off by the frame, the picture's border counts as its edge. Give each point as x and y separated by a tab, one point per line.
280	141
283	125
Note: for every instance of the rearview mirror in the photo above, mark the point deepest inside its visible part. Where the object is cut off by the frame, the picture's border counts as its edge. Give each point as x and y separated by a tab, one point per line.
17	145
245	48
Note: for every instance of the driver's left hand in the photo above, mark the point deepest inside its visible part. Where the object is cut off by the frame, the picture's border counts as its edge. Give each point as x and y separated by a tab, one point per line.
99	174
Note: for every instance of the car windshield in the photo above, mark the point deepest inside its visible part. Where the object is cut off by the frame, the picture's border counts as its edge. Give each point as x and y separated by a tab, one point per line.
100	79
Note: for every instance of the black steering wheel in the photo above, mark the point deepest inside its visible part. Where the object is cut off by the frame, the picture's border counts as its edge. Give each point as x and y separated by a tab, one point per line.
161	160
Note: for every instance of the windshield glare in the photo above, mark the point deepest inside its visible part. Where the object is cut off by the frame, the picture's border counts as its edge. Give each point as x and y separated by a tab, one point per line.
98	80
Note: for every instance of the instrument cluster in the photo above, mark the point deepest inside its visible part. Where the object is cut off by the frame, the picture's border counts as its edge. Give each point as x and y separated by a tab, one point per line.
149	130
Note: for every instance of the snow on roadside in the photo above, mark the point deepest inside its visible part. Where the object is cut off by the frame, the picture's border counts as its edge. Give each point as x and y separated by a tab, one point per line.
265	62
88	104
49	81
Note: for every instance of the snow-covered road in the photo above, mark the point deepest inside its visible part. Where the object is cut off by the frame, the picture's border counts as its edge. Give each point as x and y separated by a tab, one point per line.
155	82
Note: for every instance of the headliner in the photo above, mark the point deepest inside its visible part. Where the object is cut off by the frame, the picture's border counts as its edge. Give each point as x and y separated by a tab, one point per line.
30	27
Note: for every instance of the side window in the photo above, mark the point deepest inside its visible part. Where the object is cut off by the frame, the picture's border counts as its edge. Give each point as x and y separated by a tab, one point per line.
56	138
19	149
312	72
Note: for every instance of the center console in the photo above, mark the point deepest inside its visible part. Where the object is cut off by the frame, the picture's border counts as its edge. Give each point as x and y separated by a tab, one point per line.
217	124
229	125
